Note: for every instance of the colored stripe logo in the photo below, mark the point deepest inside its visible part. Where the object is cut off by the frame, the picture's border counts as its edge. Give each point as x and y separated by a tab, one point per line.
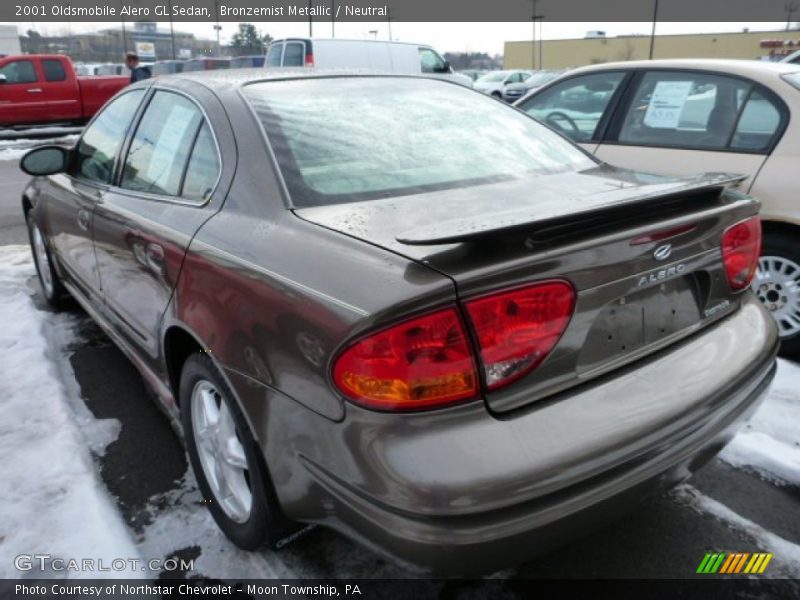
732	563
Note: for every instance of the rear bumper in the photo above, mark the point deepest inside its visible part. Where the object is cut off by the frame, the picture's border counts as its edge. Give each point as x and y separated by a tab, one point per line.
462	491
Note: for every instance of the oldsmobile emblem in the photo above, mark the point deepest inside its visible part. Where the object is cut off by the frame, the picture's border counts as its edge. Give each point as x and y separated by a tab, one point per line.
662	252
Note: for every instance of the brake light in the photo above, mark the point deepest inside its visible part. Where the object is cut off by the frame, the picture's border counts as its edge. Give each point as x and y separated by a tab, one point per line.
741	247
425	362
309	60
517	329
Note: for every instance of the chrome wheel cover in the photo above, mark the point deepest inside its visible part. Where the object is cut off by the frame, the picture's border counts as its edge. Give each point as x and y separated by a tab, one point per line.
777	285
221	452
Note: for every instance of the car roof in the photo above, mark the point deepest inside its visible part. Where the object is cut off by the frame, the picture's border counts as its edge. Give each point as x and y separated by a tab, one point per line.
241	77
724	65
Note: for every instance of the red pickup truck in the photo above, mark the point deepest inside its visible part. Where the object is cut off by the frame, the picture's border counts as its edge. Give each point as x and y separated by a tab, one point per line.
43	88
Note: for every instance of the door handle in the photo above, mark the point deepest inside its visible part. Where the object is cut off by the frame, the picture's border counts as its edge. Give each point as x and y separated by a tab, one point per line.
35	90
154	255
83	219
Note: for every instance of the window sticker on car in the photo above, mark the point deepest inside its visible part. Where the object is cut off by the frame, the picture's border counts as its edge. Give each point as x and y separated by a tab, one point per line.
666	104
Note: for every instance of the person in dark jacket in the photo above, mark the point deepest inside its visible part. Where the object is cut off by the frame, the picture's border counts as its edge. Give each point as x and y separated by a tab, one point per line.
137	73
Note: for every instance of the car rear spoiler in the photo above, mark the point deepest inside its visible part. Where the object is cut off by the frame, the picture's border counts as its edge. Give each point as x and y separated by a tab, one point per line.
615	204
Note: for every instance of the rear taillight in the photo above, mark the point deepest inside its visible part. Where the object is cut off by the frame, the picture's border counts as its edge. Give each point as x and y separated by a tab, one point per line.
425	362
516	329
309	60
741	247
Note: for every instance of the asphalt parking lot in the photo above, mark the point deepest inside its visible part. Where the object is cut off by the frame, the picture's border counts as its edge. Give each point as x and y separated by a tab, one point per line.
145	471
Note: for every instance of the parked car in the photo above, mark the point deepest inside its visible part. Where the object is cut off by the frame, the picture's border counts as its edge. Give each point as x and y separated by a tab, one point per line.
166	67
246	62
793	58
473	74
206	64
514	91
494	82
391	57
41	88
113	69
678	116
454	356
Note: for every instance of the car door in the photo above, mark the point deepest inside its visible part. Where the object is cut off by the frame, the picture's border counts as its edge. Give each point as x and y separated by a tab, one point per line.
163	194
69	198
680	122
61	93
22	98
581	106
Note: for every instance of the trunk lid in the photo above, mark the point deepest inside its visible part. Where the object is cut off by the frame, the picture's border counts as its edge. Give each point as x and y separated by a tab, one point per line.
596	230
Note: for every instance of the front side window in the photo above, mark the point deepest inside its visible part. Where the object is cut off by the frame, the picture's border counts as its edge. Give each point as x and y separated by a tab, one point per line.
294	54
98	147
575	106
161	146
360	138
275	55
19	71
430	61
53	70
685	110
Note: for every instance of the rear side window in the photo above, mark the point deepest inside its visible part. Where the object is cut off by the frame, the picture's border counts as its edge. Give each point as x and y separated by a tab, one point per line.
161	146
19	71
53	70
98	147
275	55
575	106
203	170
294	54
375	137
685	110
759	122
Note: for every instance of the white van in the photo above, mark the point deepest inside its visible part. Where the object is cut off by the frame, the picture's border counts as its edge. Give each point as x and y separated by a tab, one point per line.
393	57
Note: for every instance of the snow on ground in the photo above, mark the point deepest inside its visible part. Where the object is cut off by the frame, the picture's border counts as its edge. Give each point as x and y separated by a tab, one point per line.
51	500
16	149
770	443
786	562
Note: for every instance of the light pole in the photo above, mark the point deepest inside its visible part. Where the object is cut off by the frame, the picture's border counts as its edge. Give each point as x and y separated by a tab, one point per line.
171	31
333	18
217	26
310	34
653	32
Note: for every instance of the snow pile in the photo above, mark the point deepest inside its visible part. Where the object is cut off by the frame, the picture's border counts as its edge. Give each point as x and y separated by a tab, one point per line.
51	501
770	443
16	149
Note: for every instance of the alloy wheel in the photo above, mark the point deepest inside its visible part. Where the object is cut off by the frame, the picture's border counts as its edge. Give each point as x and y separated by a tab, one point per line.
777	285
221	452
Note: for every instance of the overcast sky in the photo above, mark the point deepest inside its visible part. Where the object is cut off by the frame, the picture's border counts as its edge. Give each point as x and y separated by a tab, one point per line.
455	37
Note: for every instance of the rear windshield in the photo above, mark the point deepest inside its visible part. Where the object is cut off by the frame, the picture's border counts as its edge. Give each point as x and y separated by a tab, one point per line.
355	138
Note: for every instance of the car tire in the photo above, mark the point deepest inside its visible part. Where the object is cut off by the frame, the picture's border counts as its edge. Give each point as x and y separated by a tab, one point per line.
497	95
52	289
780	261
242	470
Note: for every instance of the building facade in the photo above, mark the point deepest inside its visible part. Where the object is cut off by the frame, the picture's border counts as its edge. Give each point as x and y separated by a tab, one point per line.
9	40
559	54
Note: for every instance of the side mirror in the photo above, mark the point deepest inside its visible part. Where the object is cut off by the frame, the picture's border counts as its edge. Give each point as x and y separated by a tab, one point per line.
46	160
3	78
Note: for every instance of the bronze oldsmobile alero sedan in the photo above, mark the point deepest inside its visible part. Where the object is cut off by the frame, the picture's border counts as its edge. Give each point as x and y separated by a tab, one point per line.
399	308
